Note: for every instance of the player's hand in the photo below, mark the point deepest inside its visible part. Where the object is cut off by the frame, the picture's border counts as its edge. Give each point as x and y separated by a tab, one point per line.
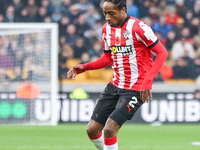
72	72
145	94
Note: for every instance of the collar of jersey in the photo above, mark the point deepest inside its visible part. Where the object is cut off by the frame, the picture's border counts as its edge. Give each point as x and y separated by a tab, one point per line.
123	22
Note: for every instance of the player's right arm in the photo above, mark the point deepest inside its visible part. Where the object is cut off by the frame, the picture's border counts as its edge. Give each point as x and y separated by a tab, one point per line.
101	62
104	61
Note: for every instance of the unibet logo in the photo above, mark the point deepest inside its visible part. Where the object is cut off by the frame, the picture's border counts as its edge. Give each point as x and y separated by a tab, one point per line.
18	109
125	50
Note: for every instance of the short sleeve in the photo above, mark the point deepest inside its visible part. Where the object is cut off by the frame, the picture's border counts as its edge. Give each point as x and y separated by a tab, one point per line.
106	48
145	34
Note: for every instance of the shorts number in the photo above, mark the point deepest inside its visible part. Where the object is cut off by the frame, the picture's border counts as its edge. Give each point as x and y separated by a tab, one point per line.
134	101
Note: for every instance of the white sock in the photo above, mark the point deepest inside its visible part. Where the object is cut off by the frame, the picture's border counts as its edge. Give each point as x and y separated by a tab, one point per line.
98	141
111	143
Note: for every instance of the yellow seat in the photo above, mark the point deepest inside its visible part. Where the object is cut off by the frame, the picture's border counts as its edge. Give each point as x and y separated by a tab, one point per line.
10	73
180	81
107	75
71	62
186	81
81	78
94	74
24	73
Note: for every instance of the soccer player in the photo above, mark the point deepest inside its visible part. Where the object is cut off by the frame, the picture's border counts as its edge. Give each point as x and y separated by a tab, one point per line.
128	44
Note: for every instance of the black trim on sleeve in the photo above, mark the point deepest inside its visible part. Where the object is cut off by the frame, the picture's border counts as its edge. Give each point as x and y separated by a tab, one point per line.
107	51
154	44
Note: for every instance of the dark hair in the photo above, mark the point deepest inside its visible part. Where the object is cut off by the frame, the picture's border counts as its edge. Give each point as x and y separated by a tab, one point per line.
119	3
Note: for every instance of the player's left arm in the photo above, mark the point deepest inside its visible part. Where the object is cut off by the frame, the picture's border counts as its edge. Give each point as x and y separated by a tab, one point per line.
145	34
162	55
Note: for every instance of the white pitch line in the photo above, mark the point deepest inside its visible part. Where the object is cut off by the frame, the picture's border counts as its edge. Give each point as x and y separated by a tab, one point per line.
155	147
196	143
74	147
92	147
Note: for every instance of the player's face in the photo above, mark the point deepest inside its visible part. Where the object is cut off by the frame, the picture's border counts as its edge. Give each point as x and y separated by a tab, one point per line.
113	15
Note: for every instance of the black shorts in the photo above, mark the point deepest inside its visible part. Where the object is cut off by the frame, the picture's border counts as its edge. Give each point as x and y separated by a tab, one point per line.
117	104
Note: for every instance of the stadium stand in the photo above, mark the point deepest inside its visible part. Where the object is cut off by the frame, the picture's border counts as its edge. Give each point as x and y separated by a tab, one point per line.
82	20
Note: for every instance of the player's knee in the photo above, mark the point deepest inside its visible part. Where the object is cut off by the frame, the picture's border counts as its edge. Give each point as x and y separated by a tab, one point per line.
92	131
89	130
111	128
108	132
94	128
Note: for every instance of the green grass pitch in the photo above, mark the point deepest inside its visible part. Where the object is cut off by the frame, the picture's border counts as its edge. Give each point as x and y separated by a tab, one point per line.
73	137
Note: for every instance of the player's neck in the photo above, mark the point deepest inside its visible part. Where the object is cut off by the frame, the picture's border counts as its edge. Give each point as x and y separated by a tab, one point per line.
123	21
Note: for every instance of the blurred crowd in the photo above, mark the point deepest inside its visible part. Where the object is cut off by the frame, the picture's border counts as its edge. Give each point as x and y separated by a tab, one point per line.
175	22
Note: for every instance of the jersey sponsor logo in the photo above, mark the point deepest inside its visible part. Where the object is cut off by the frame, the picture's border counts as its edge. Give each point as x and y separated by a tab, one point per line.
132	103
125	50
126	34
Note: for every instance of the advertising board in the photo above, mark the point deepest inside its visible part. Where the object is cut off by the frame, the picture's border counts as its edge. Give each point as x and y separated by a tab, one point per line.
164	107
